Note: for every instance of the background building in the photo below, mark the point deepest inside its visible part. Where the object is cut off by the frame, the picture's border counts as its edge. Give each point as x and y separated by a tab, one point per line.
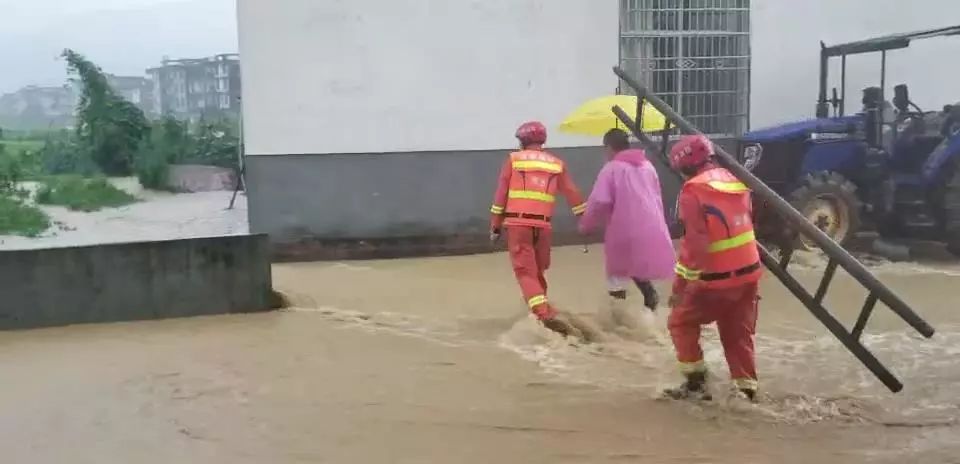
385	121
135	89
33	107
193	89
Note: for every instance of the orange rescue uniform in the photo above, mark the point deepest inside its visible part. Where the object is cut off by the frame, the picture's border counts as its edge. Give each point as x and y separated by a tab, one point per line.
523	203
718	274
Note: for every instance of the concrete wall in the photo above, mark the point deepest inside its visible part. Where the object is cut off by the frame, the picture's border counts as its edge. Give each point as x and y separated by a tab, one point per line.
397	204
786	49
377	127
384	76
134	281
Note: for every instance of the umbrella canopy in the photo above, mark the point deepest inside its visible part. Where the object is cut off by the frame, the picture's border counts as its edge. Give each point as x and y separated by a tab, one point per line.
596	117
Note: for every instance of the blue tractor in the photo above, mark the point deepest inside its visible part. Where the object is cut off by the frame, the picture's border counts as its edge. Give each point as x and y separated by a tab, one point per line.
892	168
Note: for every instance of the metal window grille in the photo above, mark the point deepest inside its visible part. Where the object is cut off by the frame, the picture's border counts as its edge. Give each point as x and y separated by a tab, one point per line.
695	54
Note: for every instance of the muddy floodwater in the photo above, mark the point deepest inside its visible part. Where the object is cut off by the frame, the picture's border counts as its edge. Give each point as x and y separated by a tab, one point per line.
434	361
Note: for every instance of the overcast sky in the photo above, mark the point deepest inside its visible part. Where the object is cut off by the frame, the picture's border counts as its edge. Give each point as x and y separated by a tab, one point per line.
123	36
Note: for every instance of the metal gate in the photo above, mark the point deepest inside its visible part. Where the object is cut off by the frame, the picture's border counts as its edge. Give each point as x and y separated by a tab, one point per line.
695	54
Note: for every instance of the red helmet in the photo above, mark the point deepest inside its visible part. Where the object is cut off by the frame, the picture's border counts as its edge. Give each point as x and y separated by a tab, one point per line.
690	152
532	133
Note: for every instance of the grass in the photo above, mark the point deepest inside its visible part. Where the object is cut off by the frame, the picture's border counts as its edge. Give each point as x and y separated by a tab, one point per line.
23	154
20	147
80	194
17	218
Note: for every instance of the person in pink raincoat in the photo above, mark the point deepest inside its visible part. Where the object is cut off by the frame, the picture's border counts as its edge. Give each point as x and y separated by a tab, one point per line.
627	203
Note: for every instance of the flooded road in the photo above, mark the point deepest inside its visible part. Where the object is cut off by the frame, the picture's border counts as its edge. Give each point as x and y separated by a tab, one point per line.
434	361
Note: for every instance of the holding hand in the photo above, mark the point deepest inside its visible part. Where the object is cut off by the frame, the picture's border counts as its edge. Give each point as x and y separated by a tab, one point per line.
494	235
674	300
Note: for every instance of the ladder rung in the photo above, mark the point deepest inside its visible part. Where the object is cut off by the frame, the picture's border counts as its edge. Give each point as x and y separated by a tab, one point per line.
825	282
861	324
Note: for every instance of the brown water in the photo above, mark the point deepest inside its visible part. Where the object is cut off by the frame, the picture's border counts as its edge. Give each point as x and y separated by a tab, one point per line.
433	361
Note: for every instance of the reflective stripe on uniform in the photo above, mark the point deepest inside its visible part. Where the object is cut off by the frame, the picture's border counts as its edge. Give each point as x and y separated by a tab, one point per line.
687	368
687	273
530	165
579	209
746	384
537	301
729	187
530	195
745	238
496	209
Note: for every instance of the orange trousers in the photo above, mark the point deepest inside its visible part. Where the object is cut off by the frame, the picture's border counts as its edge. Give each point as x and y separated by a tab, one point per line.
529	249
735	312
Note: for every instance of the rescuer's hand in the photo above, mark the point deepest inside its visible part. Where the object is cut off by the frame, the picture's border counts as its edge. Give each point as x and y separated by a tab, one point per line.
495	235
674	300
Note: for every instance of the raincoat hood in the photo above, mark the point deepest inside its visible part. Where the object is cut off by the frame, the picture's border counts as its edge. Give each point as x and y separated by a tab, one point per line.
632	156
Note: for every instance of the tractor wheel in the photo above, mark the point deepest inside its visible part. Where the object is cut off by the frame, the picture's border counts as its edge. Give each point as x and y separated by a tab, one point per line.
829	201
951	210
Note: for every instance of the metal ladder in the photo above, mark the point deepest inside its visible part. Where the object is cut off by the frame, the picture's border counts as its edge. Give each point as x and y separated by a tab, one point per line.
838	257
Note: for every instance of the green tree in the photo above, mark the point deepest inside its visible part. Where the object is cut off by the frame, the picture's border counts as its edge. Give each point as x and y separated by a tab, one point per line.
109	128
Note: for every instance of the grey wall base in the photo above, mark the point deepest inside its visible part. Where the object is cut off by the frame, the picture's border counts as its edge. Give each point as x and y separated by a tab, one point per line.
381	205
134	281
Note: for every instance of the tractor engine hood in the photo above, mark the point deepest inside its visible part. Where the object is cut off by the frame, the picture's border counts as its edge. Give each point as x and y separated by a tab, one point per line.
803	129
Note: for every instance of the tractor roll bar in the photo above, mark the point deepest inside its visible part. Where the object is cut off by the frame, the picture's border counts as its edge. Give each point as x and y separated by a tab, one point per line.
797	220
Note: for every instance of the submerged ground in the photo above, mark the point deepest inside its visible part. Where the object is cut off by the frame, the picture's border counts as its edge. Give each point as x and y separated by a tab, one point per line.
433	361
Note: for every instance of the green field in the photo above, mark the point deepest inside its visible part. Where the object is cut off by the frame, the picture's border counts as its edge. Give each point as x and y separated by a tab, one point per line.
18	147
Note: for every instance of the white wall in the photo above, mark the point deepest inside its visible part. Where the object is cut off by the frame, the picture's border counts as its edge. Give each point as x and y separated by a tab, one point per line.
786	48
350	76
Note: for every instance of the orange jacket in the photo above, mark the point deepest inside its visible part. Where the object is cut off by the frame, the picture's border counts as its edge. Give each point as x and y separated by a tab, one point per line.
527	187
719	249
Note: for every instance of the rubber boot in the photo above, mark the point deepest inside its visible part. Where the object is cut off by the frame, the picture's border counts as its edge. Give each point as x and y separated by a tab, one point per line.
557	323
694	388
750	394
651	299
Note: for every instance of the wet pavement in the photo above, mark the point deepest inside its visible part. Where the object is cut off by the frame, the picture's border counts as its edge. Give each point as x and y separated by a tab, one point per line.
434	361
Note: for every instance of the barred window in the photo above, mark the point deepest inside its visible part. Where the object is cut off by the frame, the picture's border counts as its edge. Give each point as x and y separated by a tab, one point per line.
695	55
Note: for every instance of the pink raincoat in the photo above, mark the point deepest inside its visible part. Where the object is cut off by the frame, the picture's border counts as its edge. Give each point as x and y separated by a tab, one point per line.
626	201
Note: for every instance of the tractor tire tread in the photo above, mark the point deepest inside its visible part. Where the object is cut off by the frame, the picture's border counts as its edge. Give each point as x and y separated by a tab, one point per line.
833	182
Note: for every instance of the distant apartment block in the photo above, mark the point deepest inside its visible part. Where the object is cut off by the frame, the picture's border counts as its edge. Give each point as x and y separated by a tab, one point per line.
194	89
135	89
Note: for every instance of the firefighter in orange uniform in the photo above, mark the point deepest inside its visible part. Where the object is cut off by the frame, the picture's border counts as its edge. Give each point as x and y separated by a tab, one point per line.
718	270
523	203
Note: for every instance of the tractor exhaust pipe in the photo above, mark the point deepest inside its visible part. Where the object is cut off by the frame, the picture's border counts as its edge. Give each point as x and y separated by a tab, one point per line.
872	106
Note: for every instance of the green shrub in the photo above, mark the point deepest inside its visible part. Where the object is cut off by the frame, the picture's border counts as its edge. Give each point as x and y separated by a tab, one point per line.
62	155
166	143
17	218
213	144
81	194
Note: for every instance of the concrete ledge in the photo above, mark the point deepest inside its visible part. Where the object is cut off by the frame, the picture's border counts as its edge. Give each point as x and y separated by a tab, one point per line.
195	178
135	281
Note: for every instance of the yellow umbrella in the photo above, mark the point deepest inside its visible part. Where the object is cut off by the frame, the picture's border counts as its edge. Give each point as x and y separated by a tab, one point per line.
595	117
